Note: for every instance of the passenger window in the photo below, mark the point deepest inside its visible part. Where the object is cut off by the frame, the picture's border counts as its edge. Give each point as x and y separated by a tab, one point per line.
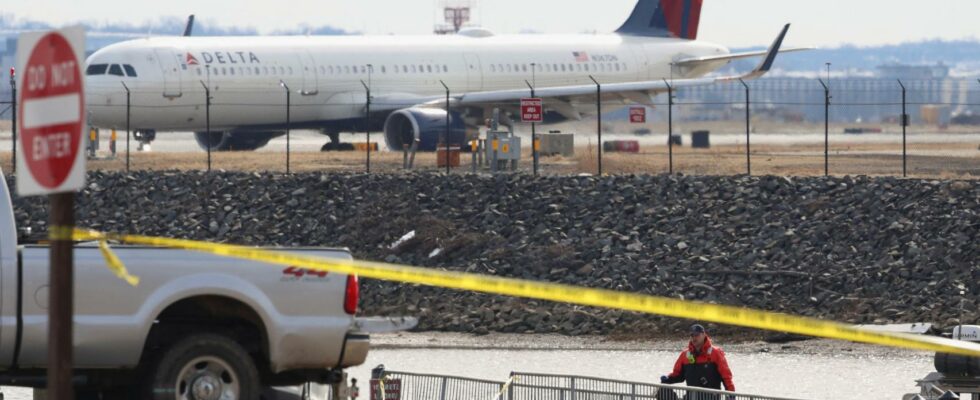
115	69
198	71
130	71
414	69
258	71
578	67
617	67
445	68
231	70
428	68
96	69
290	70
383	70
586	67
563	68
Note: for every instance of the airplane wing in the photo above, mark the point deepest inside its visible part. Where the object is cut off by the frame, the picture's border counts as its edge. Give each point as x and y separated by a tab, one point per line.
735	56
564	99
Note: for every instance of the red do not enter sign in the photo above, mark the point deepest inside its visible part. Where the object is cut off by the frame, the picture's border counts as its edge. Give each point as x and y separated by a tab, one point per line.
51	112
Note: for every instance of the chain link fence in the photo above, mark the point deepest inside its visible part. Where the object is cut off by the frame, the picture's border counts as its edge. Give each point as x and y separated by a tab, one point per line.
773	126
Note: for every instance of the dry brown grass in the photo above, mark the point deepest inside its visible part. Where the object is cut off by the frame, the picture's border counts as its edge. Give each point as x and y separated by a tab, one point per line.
797	160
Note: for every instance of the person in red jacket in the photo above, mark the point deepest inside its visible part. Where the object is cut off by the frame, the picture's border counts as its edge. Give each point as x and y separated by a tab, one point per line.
702	364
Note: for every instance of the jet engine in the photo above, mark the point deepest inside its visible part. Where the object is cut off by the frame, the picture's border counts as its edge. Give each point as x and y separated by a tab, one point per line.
235	141
425	125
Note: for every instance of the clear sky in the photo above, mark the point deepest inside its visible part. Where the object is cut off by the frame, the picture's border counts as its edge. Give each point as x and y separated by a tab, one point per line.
728	22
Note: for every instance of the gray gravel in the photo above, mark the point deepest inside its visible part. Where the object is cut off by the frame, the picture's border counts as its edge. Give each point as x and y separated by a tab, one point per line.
855	249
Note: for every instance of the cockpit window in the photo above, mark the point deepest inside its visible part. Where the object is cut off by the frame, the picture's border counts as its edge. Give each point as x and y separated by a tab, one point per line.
96	69
115	69
130	71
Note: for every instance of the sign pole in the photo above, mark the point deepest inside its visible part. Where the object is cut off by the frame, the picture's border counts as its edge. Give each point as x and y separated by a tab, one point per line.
61	297
534	132
52	118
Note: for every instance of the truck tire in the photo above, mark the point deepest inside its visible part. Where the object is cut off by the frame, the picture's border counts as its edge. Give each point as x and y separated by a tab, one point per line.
203	367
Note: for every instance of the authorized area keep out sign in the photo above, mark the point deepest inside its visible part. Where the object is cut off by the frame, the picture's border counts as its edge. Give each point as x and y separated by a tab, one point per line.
51	112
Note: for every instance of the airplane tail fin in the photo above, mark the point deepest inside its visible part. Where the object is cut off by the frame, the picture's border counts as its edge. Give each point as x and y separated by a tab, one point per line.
664	18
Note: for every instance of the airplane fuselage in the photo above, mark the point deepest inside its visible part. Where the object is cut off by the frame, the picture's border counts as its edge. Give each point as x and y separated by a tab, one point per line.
247	76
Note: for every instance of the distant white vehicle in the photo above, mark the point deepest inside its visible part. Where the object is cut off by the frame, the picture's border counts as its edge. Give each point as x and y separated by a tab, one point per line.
248	78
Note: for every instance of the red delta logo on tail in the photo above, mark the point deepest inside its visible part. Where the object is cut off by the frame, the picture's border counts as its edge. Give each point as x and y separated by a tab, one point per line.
680	16
664	18
191	60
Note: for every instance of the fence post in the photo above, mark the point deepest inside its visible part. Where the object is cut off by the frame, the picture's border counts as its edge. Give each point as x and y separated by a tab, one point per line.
367	121
534	133
128	134
905	124
447	125
748	128
826	128
670	127
288	100
598	107
207	119
13	119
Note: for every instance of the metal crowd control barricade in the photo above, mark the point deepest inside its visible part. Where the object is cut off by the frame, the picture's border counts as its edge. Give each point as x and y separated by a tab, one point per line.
568	387
392	385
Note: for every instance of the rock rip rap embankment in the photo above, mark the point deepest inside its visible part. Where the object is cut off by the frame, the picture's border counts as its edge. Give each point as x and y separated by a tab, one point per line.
854	249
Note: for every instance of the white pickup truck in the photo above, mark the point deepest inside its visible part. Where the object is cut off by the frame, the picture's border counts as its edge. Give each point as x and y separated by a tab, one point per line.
197	326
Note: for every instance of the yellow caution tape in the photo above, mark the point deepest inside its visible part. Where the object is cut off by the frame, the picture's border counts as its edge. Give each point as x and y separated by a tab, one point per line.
561	293
112	261
503	388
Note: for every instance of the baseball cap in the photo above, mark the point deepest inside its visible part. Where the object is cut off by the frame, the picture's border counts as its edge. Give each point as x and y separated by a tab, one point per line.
696	329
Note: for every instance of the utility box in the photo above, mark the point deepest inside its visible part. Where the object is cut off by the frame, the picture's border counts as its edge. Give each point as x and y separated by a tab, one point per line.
453	158
363	146
503	150
506	146
701	139
560	144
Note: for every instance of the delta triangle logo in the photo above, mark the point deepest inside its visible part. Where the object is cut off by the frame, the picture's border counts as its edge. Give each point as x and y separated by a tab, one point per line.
191	60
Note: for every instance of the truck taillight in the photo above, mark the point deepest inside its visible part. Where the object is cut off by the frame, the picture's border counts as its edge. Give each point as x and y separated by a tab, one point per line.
352	295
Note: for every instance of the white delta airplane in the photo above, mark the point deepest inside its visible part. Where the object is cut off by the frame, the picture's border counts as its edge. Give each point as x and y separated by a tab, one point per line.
327	78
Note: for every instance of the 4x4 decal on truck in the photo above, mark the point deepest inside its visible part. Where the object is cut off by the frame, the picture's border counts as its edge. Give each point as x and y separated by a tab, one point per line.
291	274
